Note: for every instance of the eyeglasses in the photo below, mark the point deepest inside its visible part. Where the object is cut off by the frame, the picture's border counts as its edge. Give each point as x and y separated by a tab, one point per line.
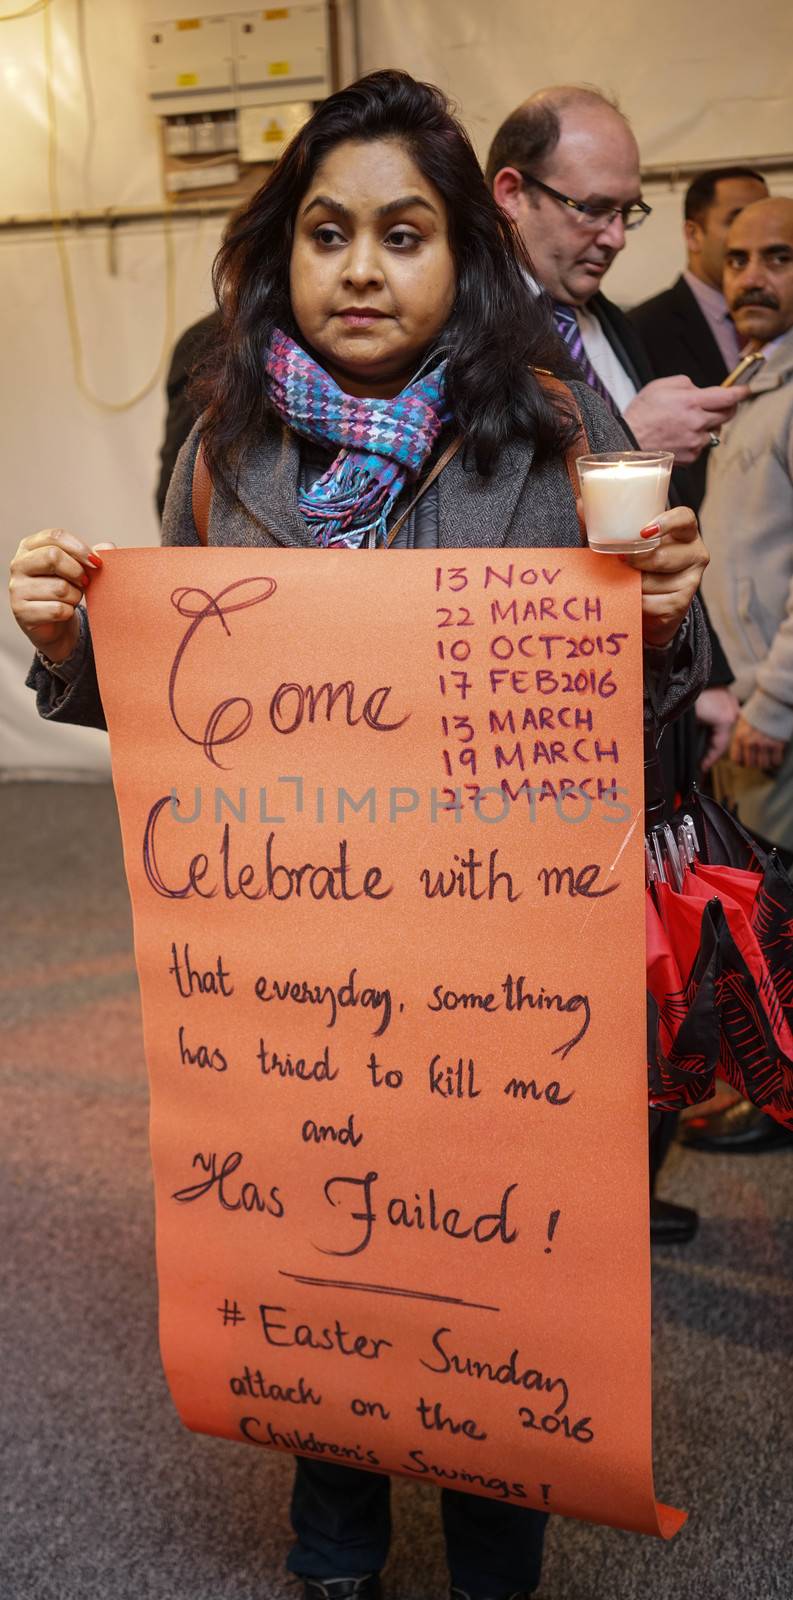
595	217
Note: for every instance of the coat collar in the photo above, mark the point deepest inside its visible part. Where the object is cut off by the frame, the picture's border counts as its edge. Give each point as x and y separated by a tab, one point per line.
474	511
269	478
778	368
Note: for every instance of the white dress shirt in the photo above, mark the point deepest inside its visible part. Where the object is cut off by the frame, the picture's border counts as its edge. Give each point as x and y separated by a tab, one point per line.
604	360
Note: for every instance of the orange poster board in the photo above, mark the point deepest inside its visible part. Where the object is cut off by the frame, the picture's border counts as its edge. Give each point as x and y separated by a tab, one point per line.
383	834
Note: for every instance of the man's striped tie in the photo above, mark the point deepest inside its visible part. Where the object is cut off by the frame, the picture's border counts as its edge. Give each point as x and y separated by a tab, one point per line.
567	325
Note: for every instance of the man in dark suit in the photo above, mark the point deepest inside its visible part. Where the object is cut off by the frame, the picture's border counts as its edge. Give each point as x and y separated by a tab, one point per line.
565	167
688	328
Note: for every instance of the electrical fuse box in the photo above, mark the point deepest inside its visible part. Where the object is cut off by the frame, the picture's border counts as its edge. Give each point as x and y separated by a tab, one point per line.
278	48
227	79
190	65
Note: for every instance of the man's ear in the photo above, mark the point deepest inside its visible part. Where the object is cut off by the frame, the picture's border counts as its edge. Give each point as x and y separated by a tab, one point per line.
507	190
692	232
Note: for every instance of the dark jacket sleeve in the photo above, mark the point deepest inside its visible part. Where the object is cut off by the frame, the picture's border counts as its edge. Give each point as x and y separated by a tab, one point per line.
76	700
675	677
181	413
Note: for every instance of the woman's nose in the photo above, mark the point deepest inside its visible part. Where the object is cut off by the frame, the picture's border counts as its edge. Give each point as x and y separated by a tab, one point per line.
362	264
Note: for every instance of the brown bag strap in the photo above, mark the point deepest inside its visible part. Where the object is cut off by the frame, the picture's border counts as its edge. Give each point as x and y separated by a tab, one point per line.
580	444
442	461
202	495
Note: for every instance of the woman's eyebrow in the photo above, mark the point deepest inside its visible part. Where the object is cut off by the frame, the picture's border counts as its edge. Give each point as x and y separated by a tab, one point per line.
323	202
403	203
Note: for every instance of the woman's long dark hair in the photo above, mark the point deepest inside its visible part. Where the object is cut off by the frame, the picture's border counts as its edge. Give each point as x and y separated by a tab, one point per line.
498	329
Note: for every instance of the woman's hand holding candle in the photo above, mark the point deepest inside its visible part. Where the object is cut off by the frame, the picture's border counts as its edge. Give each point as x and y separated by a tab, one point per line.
671	572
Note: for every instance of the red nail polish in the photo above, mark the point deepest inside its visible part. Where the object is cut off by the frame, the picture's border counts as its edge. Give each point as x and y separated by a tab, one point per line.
651	530
95	561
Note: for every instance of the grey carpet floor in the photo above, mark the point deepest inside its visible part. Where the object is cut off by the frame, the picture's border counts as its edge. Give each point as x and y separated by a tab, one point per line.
106	1497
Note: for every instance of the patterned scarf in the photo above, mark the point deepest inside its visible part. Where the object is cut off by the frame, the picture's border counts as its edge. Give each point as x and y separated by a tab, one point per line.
383	442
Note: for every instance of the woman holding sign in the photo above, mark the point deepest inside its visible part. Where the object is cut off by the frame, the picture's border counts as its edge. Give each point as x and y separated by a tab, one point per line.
381	378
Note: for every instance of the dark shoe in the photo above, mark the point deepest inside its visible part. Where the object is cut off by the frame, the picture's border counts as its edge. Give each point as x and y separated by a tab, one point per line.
740	1130
365	1588
670	1224
462	1594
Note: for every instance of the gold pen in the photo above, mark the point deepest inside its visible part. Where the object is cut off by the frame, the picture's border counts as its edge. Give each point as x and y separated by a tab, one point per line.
750	363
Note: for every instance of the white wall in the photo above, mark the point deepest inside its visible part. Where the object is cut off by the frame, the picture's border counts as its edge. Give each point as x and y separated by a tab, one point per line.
697	84
67	462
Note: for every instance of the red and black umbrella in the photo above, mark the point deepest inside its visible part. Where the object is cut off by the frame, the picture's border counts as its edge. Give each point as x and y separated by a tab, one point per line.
720	964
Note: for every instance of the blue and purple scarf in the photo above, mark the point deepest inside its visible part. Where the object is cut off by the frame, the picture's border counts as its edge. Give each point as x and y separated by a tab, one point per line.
383	442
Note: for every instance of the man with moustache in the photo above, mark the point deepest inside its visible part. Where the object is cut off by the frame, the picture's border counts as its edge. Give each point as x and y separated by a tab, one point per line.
565	167
747	522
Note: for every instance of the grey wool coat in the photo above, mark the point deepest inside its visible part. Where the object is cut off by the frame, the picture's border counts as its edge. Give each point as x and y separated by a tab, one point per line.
522	505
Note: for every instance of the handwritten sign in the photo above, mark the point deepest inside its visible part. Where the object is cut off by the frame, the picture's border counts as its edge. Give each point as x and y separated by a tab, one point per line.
382	828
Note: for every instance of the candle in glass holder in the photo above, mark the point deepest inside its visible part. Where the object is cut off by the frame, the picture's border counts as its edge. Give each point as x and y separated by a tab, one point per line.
622	492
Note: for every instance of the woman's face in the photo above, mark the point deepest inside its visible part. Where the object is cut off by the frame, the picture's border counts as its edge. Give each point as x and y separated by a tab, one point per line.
372	278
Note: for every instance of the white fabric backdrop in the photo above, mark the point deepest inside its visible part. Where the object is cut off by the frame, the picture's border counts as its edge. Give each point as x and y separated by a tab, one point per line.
696	84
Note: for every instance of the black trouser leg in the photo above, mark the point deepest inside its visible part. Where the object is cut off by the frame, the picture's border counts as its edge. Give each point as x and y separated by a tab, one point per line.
663	1126
492	1547
342	1520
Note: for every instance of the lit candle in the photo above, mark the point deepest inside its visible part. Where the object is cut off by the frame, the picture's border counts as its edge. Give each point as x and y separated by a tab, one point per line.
623	492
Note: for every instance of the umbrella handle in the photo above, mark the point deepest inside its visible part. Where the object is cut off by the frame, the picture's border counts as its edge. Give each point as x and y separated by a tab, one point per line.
651	873
673	857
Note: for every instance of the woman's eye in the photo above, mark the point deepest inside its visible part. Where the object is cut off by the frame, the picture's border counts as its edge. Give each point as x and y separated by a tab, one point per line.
327	234
403	238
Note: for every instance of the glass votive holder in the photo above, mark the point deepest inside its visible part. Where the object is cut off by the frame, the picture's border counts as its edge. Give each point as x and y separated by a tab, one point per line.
623	491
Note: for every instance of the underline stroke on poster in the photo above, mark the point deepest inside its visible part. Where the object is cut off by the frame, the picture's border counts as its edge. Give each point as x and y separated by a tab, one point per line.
385	1288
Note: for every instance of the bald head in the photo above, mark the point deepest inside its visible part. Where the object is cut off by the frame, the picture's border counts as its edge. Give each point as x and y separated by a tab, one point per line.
575	141
530	134
758	269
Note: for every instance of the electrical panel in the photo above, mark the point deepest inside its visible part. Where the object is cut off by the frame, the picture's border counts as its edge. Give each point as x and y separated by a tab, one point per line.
233	55
233	83
190	65
280	46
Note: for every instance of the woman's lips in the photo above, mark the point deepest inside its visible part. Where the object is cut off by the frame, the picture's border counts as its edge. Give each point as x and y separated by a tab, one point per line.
361	316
